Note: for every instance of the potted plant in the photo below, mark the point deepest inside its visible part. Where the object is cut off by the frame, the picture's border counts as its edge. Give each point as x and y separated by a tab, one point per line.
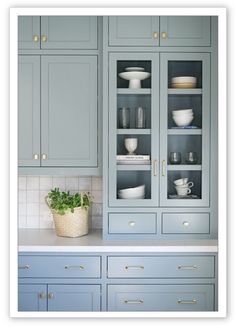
70	212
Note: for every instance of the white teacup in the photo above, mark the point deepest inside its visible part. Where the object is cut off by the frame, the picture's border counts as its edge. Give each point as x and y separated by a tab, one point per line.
183	191
181	182
189	184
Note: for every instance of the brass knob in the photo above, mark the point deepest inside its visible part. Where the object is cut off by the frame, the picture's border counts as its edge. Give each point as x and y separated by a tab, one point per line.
36	38
164	35
44	156
44	38
131	223
50	296
36	157
155	35
42	296
185	223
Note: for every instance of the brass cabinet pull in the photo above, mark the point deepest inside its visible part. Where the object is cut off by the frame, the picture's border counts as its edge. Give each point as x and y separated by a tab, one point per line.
135	267
44	156
163	171
50	296
24	267
36	38
187	267
155	35
36	157
44	38
131	223
155	167
164	35
133	301
42	296
74	267
187	301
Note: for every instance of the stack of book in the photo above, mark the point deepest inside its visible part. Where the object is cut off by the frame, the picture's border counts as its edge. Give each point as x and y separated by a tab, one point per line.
133	159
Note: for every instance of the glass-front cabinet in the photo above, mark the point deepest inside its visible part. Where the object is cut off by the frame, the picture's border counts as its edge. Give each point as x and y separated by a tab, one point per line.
133	129
184	129
159	129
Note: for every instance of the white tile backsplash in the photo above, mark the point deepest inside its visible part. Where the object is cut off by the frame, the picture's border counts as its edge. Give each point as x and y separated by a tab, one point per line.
32	209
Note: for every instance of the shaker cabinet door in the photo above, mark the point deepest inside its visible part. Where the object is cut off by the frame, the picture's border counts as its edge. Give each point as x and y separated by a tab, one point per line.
185	31
69	32
69	111
29	32
29	111
134	31
32	297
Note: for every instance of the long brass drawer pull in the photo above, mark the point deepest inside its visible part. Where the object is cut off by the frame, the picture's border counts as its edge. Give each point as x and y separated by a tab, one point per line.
74	267
187	301
155	167
133	301
24	267
187	267
135	267
163	170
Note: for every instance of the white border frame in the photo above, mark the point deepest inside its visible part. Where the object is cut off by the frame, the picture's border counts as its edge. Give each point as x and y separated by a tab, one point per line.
222	154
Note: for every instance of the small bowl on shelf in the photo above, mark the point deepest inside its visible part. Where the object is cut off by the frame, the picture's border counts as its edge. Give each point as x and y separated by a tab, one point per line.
183	120
132	193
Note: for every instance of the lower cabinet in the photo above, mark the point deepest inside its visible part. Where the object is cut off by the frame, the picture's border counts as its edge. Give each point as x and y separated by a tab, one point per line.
59	297
161	297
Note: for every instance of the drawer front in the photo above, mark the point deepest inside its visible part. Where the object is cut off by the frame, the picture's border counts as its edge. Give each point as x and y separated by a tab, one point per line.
161	267
161	298
59	267
184	223
132	223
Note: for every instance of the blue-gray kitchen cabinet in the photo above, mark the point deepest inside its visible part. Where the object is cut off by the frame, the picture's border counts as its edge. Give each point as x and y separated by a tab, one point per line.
29	32
32	297
29	110
69	32
185	31
69	132
195	138
134	31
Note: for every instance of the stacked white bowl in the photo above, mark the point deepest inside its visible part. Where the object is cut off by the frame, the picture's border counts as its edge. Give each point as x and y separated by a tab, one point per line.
183	117
132	193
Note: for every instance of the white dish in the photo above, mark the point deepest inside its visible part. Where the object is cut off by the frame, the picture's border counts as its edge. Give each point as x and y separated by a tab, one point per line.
134	69
183	79
183	121
131	197
132	192
134	78
182	111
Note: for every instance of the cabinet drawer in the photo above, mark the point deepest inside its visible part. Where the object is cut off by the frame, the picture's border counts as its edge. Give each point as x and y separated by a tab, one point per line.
161	298
185	223
59	267
132	223
161	267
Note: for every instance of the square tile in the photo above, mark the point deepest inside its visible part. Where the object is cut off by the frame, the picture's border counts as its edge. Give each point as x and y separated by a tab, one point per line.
22	183
22	208
22	222
22	196
97	196
45	183
84	183
96	209
59	182
42	195
72	183
32	222
32	196
32	209
96	183
32	183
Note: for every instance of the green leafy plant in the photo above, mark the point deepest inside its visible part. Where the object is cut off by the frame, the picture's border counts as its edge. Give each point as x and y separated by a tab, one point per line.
62	201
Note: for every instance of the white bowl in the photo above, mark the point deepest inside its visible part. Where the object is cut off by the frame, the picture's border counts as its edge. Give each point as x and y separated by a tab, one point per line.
134	69
134	78
182	111
136	192
182	115
183	121
183	79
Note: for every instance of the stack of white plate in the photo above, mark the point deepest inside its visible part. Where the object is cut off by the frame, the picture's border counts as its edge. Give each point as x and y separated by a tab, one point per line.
132	193
183	117
184	82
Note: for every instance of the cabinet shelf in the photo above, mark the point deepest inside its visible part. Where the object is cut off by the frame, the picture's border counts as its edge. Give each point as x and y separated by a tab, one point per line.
133	167
133	131
125	91
172	91
183	167
184	131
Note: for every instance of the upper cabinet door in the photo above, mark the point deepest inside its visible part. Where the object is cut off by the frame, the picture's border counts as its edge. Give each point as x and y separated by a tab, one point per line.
185	31
134	31
68	32
69	111
29	32
29	111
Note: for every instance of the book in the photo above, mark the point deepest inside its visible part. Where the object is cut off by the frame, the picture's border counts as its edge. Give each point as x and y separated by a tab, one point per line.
133	157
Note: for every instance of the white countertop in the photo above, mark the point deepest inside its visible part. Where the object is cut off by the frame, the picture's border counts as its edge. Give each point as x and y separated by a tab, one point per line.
45	240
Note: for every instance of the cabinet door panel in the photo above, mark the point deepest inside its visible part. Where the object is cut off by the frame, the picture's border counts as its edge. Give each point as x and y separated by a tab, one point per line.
133	31
29	110
69	110
29	32
74	298
69	32
32	298
185	31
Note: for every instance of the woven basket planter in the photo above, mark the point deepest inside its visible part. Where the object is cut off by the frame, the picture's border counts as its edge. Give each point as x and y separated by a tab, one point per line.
71	224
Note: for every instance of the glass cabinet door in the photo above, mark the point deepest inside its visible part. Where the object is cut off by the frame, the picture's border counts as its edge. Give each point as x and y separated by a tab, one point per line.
133	129
184	129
